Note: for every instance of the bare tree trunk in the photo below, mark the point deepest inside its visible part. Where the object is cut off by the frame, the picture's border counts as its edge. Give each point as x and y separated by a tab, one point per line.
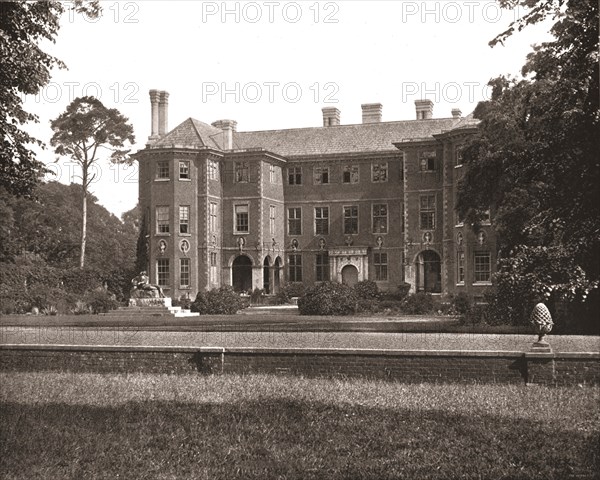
84	219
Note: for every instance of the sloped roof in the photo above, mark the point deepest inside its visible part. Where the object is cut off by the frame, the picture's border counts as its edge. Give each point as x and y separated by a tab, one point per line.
192	133
370	137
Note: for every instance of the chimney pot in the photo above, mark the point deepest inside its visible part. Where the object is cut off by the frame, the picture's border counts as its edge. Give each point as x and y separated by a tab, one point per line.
456	113
424	109
371	112
331	116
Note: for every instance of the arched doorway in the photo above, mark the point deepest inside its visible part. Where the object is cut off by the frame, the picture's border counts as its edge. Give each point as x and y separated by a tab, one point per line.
242	274
267	275
350	275
429	272
276	275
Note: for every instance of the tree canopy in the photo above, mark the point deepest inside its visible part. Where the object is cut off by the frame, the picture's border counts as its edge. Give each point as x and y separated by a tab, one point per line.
24	69
535	158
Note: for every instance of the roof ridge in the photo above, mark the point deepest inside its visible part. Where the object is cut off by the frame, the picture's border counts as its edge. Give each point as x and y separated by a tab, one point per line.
193	120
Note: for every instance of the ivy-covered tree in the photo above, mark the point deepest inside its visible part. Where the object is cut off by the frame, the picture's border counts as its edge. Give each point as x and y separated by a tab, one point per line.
81	132
535	159
24	70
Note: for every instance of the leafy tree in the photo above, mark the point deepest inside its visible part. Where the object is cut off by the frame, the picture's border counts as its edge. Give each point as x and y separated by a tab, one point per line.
535	159
79	132
24	70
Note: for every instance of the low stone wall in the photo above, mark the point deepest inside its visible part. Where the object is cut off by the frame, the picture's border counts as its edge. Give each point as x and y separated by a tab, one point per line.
397	365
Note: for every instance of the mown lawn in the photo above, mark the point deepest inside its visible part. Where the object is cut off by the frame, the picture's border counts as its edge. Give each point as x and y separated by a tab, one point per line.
57	425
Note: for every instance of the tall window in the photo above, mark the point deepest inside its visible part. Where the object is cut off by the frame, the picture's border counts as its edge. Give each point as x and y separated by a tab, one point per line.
212	170
242	224
184	272
380	218
460	267
184	170
184	219
295	175
212	217
380	261
214	274
483	267
458	155
379	172
427	212
351	220
321	175
162	219
322	262
427	161
295	221
321	220
295	267
242	172
350	174
162	272
272	213
162	169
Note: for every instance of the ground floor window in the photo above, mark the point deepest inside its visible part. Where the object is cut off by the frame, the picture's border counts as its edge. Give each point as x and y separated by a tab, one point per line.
295	268
162	272
380	261
322	262
483	267
460	267
184	272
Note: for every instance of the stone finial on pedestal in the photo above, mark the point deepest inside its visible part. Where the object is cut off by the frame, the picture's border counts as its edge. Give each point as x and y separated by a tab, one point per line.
542	320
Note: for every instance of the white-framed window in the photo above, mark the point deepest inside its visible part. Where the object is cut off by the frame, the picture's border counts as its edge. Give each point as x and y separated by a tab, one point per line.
162	272
184	219
427	161
321	220
380	262
460	267
162	219
379	172
242	220
350	174
483	267
295	221
295	267
212	168
163	170
184	272
213	217
427	212
295	175
321	175
184	170
380	218
322	267
241	172
351	220
272	214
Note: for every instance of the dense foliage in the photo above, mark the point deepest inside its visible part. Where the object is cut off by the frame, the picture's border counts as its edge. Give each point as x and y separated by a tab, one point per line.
328	298
218	301
535	161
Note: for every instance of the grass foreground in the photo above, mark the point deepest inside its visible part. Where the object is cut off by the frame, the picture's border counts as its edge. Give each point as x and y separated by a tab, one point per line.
61	425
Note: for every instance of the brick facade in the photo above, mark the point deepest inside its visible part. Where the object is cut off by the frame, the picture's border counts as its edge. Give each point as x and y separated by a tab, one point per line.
338	202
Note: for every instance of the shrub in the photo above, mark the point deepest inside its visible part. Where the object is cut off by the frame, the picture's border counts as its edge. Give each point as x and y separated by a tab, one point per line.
184	302
100	301
289	290
50	310
461	303
420	303
257	296
367	290
81	308
403	290
218	301
328	298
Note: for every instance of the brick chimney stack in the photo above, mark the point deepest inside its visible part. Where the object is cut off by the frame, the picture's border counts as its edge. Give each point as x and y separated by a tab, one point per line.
371	112
331	116
424	109
456	113
229	127
163	113
154	102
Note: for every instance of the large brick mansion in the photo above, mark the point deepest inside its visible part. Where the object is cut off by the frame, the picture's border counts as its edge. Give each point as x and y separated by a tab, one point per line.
338	202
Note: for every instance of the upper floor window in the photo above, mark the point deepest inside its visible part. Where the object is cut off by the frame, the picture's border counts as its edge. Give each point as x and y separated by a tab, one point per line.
162	219
380	218
458	155
212	170
295	221
242	223
321	175
184	170
212	217
427	212
321	220
460	267
350	174
242	172
272	215
162	170
483	267
295	175
351	220
427	161
379	172
184	219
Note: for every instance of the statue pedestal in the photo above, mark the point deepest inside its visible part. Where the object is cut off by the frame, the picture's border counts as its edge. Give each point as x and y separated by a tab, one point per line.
541	347
150	302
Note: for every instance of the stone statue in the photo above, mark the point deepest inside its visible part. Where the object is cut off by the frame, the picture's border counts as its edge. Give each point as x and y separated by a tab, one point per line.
541	318
143	289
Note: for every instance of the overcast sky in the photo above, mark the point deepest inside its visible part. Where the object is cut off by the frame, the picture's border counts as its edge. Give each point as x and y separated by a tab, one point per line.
272	65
